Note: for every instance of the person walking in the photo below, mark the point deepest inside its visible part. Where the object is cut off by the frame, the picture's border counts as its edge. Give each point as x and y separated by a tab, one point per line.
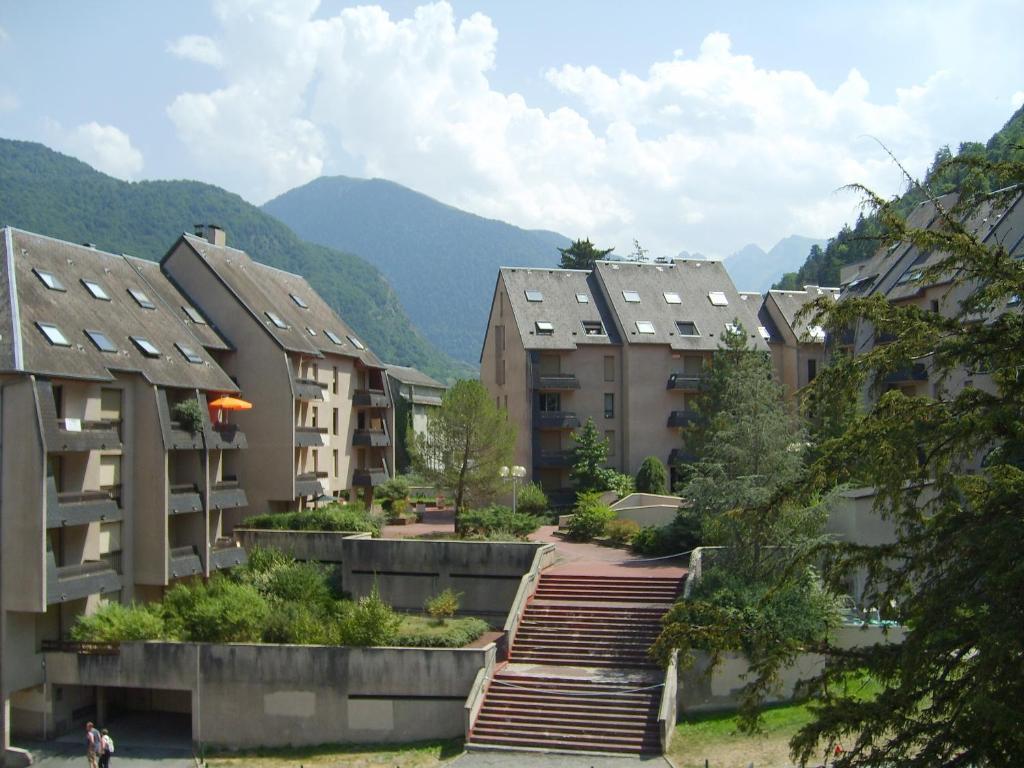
106	748
92	745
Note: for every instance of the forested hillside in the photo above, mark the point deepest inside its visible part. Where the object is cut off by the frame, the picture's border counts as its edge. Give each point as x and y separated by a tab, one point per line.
857	243
442	262
50	193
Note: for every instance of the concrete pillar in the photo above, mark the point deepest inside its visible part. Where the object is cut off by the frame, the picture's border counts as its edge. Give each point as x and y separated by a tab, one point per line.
101	706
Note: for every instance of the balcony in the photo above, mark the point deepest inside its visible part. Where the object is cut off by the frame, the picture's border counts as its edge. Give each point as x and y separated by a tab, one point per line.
181	438
370	477
78	435
555	381
682	418
912	375
308	484
223	437
687	382
184	499
227	494
79	507
226	553
556	420
373	438
308	389
184	561
73	582
681	456
310	437
370	398
561	458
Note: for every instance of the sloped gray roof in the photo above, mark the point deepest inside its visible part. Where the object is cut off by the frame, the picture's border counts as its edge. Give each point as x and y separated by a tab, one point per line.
413	376
74	310
694	280
790	303
559	306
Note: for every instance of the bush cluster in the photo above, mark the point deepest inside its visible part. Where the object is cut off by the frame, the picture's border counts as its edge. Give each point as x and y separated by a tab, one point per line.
681	535
443	605
351	517
532	500
114	623
621	532
417	632
393	490
486	522
652	477
589	517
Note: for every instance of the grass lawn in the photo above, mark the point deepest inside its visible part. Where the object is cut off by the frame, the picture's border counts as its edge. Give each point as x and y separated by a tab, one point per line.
420	755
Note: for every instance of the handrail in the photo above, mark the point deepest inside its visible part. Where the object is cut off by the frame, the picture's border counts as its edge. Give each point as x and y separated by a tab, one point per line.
667	708
527	586
475	699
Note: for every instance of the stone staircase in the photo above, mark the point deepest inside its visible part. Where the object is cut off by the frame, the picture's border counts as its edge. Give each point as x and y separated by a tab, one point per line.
579	678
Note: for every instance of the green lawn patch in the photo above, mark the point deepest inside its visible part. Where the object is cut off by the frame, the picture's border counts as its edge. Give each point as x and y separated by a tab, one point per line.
424	632
416	755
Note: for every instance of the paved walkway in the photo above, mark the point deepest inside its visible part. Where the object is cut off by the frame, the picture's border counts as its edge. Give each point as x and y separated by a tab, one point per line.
501	758
585	559
53	755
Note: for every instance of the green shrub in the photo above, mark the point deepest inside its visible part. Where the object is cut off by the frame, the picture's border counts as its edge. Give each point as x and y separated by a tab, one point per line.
390	491
681	535
621	484
115	623
371	622
443	605
652	477
589	522
351	517
295	623
220	611
189	414
419	632
301	583
621	532
532	500
483	522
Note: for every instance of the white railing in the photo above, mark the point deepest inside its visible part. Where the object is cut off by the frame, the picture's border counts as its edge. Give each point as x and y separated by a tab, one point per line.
667	709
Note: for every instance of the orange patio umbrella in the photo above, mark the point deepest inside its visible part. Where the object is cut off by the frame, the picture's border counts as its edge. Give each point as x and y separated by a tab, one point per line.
228	403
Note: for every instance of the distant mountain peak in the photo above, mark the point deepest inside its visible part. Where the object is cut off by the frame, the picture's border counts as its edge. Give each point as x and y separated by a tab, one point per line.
753	269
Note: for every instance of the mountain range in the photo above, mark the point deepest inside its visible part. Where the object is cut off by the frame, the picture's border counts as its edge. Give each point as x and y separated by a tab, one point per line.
46	192
754	269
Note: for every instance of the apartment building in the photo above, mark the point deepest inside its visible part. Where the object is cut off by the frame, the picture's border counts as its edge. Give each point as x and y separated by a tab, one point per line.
324	419
626	345
104	492
797	345
415	396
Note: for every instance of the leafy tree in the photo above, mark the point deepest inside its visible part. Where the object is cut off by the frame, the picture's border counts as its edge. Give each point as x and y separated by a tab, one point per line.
466	442
582	255
589	457
652	477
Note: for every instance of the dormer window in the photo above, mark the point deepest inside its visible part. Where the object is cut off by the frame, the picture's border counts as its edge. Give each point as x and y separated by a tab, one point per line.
95	289
534	296
276	319
101	340
188	353
193	315
299	301
141	298
49	279
593	328
644	326
356	342
631	297
333	337
545	328
582	298
717	298
53	334
671	297
145	346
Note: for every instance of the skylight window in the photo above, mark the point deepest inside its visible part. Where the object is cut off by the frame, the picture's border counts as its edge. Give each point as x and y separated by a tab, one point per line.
687	328
101	340
910	276
188	353
718	299
310	331
631	296
671	297
593	328
141	299
644	326
54	334
299	301
95	289
145	346
732	328
545	328
534	296
356	342
49	279
582	298
333	337
193	315
764	333
276	319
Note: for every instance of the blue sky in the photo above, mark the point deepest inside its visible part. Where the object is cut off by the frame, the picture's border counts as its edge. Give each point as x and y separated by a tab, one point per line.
683	125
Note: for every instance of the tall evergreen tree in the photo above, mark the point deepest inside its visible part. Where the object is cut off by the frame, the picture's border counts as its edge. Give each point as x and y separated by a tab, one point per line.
589	457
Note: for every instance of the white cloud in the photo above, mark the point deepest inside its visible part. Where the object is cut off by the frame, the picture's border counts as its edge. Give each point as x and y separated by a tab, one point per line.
1017	100
105	147
197	48
706	151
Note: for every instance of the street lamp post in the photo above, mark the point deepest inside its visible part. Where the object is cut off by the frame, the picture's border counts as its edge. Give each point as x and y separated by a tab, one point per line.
513	473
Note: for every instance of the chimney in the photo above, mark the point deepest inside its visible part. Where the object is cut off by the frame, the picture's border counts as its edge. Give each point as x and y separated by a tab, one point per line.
213	233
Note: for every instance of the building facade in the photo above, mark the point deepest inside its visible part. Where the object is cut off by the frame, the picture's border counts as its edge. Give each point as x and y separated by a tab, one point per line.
415	396
797	346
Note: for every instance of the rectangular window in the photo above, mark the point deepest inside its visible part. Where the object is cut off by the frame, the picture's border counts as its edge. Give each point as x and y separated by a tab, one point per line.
188	353
299	301
145	346
335	462
356	342
141	298
686	328
671	297
102	342
334	423
53	334
582	298
935	305
609	437
593	328
310	331
194	316
334	384
276	319
499	339
545	328
717	298
95	289
335	338
110	404
644	326
49	279
732	328
499	374
549	401
609	405
631	297
609	368
534	296
812	369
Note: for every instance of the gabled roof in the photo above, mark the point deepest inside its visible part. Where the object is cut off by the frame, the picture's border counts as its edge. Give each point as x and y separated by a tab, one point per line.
266	292
557	290
790	303
75	310
693	281
413	376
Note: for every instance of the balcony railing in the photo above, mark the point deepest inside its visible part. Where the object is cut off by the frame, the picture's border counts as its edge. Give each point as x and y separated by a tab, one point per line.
184	561
308	389
227	494
687	382
555	381
73	582
682	418
915	373
182	438
561	458
78	435
183	499
375	438
308	484
223	436
556	420
369	477
370	398
226	553
79	507
308	437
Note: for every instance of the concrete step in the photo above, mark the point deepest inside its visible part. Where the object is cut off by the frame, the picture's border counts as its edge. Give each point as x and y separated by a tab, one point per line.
562	742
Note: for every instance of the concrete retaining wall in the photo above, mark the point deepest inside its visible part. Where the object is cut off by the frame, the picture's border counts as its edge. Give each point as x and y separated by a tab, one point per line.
246	696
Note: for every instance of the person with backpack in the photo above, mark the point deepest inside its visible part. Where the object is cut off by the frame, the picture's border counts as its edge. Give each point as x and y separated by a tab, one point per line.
106	748
92	745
